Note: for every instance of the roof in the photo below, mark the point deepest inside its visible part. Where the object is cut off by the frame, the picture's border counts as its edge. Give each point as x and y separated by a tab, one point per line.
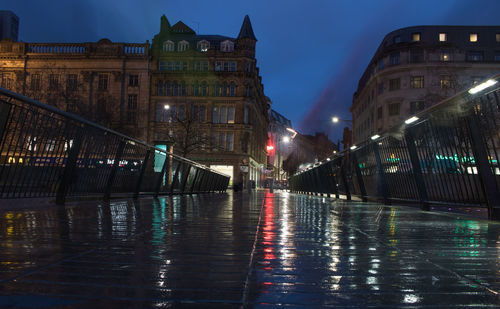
246	29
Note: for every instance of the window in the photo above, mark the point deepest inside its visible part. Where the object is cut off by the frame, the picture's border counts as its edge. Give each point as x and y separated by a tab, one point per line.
168	46
197	66
53	82
199	113
227	46
397	39
224	89
416	106
204	66
196	89
71	82
416	55
217	89
35	82
162	65
203	45
245	115
182	112
381	64
204	90
248	91
132	108
394	58
168	88
232	89
159	87
417	82
184	65
183	89
175	88
379	112
218	66
226	66
222	141
497	37
475	56
249	67
473	37
445	82
233	66
133	80
394	109
182	46
103	82
6	81
380	88
443	37
162	112
415	37
445	55
497	56
223	114
176	66
394	84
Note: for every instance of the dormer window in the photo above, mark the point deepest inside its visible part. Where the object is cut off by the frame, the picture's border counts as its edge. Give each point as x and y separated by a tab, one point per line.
227	46
203	46
182	46
168	46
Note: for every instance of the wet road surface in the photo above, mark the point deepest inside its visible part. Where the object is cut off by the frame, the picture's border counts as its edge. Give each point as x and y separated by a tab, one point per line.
257	250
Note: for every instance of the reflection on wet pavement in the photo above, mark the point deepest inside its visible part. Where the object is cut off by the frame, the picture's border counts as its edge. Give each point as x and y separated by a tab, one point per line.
246	250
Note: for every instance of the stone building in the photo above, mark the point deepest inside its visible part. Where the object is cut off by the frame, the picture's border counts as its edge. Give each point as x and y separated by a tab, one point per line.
105	82
208	98
417	67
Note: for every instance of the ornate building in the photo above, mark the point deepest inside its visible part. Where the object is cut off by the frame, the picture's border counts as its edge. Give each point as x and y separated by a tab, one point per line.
105	82
208	98
417	67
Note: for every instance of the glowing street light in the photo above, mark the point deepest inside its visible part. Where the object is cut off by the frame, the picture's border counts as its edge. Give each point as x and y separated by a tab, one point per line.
482	86
166	107
411	120
286	139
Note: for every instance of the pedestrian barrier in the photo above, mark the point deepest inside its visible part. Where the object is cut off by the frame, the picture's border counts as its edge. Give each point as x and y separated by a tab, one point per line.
47	152
447	154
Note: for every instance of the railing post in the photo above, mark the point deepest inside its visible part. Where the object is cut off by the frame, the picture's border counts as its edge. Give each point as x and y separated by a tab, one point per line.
141	173
359	176
166	165
417	169
382	187
195	179
344	179
114	169
488	181
4	117
69	169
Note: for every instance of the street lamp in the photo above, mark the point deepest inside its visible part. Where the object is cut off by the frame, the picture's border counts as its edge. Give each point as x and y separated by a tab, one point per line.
336	119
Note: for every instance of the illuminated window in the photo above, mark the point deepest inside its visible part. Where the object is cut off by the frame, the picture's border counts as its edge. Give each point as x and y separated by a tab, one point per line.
168	46
203	45
445	55
227	46
415	37
473	37
182	46
445	82
417	82
443	37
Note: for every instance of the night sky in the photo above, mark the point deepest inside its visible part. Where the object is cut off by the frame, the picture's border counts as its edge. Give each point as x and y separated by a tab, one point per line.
311	54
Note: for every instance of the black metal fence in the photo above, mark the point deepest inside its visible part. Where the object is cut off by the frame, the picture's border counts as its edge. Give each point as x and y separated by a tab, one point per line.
448	154
46	152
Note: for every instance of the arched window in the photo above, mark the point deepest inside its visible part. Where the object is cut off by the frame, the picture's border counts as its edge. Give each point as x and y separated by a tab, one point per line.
203	45
196	89
159	86
217	89
204	89
168	89
232	89
224	89
182	46
168	46
227	46
175	91
183	88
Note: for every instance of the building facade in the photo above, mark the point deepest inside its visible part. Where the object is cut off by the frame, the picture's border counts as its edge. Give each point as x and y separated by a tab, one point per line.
104	82
9	25
417	67
280	139
208	98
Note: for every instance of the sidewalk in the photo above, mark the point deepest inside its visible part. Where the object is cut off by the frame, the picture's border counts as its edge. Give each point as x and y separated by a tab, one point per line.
246	250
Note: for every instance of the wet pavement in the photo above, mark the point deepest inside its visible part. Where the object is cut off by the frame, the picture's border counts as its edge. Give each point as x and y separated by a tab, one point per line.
256	250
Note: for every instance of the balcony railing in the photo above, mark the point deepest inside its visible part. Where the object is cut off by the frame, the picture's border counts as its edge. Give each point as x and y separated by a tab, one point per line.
46	152
448	154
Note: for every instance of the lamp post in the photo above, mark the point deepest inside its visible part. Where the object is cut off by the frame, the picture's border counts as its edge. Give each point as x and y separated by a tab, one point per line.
347	134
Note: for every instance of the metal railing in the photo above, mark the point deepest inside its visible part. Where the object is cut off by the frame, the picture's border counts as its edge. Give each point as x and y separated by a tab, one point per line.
46	152
447	154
